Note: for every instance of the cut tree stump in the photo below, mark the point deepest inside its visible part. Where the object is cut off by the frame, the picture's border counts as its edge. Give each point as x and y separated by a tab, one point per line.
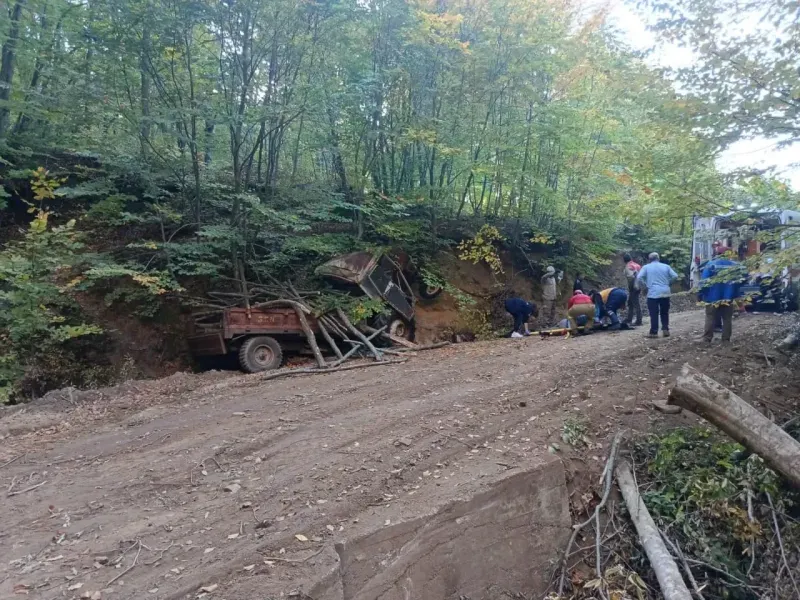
724	409
669	576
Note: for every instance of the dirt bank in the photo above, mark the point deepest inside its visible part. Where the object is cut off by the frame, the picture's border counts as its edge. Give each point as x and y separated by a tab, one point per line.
224	480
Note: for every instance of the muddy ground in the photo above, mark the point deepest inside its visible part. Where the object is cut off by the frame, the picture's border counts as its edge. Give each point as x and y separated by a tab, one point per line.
159	489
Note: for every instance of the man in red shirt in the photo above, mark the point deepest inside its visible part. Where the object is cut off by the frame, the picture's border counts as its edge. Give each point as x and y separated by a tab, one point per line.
580	305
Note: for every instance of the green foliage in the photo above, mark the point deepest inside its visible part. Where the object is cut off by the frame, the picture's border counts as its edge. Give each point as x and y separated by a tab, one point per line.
38	315
364	309
137	290
483	248
573	432
697	489
432	277
674	249
110	211
191	140
758	60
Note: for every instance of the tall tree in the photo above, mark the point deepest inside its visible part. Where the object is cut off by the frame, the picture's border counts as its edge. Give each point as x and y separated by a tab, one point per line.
745	71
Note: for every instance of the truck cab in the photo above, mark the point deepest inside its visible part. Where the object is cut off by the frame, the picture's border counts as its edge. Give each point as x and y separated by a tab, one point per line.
737	232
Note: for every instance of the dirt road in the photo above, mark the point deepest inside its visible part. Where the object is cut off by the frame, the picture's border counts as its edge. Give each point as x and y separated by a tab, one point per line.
158	489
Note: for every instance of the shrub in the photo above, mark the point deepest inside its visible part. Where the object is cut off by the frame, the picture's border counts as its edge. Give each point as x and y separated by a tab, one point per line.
39	316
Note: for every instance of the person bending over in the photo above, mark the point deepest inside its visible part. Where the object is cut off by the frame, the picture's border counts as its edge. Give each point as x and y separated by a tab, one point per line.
608	302
580	305
521	311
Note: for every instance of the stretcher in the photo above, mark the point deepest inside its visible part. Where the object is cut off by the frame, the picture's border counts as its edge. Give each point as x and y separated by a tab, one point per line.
559	331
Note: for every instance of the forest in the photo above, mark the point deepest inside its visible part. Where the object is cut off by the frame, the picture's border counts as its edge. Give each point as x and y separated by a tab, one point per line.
151	150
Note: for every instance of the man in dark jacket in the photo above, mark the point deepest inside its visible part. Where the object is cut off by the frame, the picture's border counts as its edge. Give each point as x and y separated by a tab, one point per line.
632	269
521	311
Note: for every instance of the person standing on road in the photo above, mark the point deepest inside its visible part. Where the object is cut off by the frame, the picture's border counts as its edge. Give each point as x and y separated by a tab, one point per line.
549	295
657	278
580	311
632	269
521	311
719	288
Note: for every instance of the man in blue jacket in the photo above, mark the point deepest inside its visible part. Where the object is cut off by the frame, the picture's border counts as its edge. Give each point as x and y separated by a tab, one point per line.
720	282
521	311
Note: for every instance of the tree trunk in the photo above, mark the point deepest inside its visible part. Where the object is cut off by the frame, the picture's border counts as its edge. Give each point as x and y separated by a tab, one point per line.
9	56
669	577
360	336
720	406
144	125
24	120
209	141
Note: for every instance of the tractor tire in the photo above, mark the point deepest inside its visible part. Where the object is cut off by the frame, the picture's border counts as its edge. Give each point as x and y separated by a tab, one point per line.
260	353
399	328
429	292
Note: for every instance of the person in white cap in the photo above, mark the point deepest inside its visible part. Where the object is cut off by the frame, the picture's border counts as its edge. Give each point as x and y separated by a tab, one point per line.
549	295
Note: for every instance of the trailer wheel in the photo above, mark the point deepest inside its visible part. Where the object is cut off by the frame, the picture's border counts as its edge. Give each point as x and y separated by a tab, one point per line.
261	353
399	328
429	292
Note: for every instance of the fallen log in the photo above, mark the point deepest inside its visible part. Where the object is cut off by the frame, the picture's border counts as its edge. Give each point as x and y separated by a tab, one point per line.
413	351
394	339
361	337
669	577
724	409
333	325
352	350
331	343
320	371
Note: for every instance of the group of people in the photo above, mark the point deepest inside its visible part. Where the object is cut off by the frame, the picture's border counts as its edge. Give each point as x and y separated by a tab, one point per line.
717	289
587	309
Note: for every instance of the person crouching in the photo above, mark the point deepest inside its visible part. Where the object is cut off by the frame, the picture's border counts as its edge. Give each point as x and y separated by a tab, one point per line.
521	311
580	305
608	302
